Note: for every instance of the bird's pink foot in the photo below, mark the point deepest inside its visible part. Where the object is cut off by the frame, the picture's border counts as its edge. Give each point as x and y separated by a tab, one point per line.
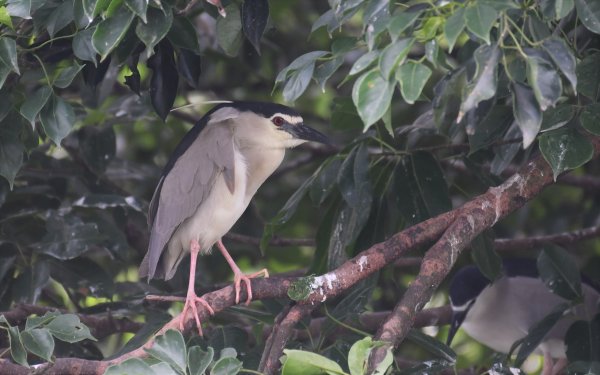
190	303
240	277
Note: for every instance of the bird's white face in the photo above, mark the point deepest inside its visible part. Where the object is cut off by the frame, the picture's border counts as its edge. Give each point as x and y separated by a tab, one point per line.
281	120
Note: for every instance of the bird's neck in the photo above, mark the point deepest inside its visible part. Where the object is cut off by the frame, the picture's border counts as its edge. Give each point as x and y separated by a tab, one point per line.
260	164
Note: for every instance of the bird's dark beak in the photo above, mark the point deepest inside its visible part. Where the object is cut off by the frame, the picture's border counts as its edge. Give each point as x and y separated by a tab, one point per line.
457	319
307	133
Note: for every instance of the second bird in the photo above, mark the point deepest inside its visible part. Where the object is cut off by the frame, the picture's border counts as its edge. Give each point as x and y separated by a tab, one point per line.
209	181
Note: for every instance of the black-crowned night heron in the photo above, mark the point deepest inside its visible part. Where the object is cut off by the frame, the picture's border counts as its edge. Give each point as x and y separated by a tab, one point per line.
500	313
208	183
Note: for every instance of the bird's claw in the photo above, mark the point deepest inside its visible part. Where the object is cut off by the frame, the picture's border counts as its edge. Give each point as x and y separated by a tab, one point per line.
240	277
190	303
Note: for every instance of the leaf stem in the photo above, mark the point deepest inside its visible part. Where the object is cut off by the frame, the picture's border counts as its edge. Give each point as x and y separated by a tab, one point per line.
44	70
48	42
347	326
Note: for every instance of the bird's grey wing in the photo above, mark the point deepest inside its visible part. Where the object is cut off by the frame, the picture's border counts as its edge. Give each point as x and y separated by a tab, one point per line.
186	186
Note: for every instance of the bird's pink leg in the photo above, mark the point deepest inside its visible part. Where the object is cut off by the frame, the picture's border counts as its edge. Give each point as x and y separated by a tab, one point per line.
191	298
239	276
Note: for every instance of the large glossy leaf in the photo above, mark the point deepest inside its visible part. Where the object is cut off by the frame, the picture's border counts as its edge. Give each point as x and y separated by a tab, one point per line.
403	19
583	340
589	14
139	7
17	351
559	116
301	362
543	78
133	366
412	76
23	8
504	154
82	45
109	32
563	58
392	55
479	19
565	149
488	130
588	76
226	366
298	74
559	272
68	328
57	118
364	62
170	348
39	341
454	26
483	85
324	71
157	27
590	118
66	76
8	53
165	79
59	18
190	66
11	148
229	30
198	360
358	356
447	99
527	112
372	96
182	34
255	14
537	333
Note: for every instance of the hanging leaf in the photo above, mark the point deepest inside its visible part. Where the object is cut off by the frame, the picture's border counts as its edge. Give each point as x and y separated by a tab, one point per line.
543	78
59	18
560	273
364	62
483	85
583	341
17	351
8	54
182	34
563	58
393	55
164	81
403	19
66	76
229	31
189	66
110	31
565	149
33	104
454	26
588	76
57	118
158	25
69	329
255	14
479	19
82	45
412	77
372	96
590	118
589	14
139	7
39	341
527	112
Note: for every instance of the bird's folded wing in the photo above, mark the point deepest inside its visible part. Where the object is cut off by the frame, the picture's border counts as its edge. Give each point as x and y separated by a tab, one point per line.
186	186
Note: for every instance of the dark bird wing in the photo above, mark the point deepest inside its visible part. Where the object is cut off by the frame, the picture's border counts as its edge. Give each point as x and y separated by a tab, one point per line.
185	184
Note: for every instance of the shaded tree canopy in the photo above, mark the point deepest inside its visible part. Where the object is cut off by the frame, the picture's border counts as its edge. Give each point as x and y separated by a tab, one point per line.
458	125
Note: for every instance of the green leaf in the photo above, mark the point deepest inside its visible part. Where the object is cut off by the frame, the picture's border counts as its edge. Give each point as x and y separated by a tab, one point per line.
537	333
413	77
489	129
66	76
563	58
446	100
485	257
454	26
565	149
57	118
82	45
131	366
229	31
5	17
60	17
297	75
392	55
33	104
297	362
590	118
11	149
589	14
111	31
588	76
182	34
198	360
17	351
37	321
402	20
543	78
139	7
386	363
527	113
583	341
432	345
298	64
431	183
23	8
170	348
163	368
8	53
68	328
358	356
155	29
29	284
255	14
226	365
364	62
372	96
429	29
324	71
557	117
39	341
484	83
479	19
165	79
559	272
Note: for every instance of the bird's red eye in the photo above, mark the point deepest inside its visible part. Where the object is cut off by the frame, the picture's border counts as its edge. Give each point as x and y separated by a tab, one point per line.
278	121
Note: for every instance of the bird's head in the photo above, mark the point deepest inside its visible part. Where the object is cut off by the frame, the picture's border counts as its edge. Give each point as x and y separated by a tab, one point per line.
268	124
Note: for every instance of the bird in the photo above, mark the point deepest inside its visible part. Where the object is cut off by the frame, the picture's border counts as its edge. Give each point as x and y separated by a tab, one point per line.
499	313
209	181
